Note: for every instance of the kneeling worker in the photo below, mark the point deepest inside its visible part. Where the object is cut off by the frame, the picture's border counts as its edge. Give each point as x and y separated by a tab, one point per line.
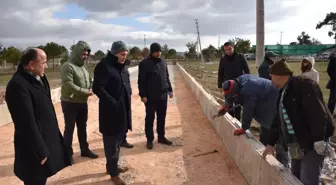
258	97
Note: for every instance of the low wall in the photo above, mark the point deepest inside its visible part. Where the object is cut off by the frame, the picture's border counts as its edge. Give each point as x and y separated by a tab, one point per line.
246	150
5	117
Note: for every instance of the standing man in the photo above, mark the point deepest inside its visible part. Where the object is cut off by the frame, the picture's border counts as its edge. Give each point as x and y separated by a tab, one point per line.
231	66
39	147
303	123
111	85
332	82
269	59
75	91
125	143
258	98
154	87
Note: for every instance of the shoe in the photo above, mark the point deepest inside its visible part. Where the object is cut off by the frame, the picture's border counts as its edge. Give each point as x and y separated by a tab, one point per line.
89	154
165	141
121	170
72	160
126	144
117	180
150	145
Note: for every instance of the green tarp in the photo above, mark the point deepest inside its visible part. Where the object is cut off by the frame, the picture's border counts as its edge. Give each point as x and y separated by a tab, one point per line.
297	49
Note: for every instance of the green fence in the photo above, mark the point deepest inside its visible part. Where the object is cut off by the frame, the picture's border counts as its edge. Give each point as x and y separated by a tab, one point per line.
297	49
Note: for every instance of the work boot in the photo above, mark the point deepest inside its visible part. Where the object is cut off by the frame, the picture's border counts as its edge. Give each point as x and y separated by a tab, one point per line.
165	141
121	170
117	180
126	144
88	153
149	145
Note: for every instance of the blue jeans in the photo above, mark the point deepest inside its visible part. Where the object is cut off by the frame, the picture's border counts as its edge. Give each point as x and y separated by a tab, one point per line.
308	168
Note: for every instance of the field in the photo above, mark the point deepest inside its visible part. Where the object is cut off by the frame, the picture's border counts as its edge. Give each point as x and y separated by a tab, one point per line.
206	74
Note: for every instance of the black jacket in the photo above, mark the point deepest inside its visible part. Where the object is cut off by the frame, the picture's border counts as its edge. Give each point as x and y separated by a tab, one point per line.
310	118
231	67
153	79
36	135
331	70
264	67
112	86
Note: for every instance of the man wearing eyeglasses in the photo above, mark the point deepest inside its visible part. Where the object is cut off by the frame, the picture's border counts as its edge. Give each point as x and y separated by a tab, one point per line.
231	66
75	91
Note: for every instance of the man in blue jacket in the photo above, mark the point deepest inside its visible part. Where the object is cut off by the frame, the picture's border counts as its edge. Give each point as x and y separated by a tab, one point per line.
258	97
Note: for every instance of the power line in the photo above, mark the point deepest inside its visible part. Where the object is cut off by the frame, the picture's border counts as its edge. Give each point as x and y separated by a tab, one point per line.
199	39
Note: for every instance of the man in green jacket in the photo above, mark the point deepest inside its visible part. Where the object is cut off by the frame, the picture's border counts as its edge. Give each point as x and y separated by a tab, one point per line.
76	88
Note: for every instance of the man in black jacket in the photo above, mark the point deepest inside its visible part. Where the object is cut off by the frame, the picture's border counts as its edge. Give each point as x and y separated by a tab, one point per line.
332	82
40	151
154	87
303	123
111	85
231	66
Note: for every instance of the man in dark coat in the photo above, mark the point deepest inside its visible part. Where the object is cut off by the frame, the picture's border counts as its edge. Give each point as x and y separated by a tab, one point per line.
332	82
111	85
154	87
231	66
303	123
269	59
40	151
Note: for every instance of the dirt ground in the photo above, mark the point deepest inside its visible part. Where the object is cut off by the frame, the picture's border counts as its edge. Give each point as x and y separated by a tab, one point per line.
186	126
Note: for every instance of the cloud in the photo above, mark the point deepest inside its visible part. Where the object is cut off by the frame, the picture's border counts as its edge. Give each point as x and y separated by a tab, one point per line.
31	23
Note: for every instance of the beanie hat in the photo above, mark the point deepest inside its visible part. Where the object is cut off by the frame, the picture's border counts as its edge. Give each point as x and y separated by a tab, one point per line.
155	47
270	54
280	68
230	88
117	47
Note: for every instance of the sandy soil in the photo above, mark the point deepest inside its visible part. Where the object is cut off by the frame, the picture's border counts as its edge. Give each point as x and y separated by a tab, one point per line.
186	126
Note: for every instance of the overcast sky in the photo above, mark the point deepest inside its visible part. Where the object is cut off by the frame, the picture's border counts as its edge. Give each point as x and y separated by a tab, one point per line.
35	22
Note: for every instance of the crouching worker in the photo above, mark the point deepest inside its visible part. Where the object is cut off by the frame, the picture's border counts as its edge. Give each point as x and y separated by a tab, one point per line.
258	98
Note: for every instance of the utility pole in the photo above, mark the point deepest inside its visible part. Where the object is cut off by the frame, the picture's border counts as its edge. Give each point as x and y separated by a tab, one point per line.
199	39
280	38
144	41
218	42
260	32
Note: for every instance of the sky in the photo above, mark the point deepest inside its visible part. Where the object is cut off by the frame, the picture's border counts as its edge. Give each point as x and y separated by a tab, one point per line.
36	22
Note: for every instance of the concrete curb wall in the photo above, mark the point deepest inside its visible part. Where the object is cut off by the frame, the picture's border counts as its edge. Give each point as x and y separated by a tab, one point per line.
245	150
5	117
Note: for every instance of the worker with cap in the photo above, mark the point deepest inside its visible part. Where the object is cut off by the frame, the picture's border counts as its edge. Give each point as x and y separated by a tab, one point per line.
154	88
258	99
269	59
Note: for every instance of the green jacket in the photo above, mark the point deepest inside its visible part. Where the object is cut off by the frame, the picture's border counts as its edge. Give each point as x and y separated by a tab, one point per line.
75	77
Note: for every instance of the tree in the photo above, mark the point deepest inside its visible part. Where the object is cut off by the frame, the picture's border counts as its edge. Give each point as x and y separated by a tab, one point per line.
304	39
209	52
316	42
240	45
164	51
293	43
134	53
12	55
99	54
53	50
329	20
172	53
191	50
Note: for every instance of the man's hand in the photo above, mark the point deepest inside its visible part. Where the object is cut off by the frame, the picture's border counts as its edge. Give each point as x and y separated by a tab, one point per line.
269	150
90	93
144	100
239	132
171	95
44	160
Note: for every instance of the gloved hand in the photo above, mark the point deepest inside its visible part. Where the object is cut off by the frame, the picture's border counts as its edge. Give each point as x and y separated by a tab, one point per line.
239	132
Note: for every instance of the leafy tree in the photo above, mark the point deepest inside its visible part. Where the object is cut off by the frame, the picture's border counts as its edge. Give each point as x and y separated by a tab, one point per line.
145	52
172	53
134	53
53	50
209	52
304	39
99	54
165	50
316	42
12	55
191	50
293	43
329	20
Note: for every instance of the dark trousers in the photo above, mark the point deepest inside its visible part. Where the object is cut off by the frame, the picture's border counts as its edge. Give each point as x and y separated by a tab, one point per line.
332	100
160	107
75	113
281	155
35	181
236	112
308	169
112	152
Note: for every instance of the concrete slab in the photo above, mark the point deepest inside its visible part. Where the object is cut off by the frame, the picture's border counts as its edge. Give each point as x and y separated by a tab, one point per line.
246	150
